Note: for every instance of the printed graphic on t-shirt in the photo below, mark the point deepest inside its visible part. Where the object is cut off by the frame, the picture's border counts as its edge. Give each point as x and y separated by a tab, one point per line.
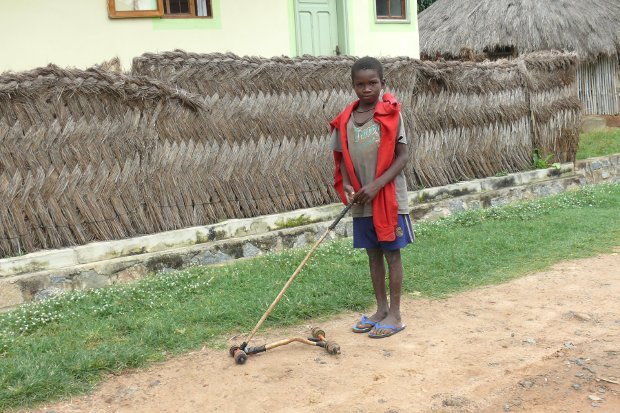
367	135
363	143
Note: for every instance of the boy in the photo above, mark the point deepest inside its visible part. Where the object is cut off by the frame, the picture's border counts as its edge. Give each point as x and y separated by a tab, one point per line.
370	153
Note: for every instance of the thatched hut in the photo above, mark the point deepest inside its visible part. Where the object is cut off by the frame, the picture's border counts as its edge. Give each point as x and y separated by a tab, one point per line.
507	28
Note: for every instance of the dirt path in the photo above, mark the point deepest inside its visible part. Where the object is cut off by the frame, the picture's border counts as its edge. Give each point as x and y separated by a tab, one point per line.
548	342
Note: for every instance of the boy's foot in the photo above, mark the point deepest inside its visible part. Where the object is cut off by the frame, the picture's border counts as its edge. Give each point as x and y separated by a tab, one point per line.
386	328
364	325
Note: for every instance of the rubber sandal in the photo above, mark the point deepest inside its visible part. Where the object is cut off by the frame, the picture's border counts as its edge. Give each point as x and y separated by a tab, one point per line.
364	321
379	326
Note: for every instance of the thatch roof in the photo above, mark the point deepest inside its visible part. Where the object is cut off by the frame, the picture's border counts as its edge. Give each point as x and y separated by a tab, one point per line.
589	28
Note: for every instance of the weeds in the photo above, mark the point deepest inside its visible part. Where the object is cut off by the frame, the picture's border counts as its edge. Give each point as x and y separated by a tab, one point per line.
540	161
295	222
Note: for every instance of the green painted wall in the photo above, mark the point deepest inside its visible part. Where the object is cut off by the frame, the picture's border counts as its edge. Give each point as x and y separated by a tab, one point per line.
292	34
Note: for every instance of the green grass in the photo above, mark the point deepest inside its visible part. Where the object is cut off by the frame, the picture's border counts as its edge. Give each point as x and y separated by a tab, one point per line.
599	143
61	347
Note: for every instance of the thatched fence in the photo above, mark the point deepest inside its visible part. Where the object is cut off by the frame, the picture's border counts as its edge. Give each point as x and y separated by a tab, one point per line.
194	139
466	120
597	80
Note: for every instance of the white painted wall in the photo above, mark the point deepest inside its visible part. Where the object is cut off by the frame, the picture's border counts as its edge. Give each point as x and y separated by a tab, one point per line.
79	33
369	38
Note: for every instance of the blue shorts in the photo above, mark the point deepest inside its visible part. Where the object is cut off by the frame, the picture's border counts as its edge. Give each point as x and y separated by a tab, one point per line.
365	236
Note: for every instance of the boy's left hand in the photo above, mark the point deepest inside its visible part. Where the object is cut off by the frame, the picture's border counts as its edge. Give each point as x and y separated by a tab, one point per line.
367	193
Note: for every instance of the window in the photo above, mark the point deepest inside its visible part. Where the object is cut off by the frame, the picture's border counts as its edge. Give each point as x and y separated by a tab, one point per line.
391	9
159	8
134	8
187	8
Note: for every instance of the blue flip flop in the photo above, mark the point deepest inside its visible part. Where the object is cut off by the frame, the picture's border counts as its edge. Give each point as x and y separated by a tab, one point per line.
379	326
364	321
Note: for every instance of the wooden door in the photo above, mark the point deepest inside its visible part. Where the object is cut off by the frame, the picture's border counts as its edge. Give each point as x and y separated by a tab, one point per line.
317	27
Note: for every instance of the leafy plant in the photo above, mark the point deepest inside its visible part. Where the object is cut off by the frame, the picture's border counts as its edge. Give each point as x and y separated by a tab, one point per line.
541	161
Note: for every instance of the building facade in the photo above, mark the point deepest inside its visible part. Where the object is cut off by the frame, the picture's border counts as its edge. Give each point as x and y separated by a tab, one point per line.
81	33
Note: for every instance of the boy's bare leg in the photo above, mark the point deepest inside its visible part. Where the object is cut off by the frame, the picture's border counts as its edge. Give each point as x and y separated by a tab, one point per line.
377	273
395	267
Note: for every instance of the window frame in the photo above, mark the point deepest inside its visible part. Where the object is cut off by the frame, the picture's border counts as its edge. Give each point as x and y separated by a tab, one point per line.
114	14
160	12
192	9
387	19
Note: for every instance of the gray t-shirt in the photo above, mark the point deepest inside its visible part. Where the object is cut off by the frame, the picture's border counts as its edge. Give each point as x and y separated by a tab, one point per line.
363	144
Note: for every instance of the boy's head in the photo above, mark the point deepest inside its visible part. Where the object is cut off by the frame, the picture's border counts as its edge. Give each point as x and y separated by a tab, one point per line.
367	78
367	63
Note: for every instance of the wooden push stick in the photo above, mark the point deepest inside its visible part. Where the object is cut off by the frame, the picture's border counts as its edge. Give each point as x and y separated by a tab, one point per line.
297	271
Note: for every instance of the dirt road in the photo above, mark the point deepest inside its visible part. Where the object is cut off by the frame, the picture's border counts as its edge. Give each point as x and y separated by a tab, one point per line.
548	342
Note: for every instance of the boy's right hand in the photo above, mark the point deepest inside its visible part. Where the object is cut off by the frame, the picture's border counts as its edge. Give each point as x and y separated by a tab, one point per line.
349	193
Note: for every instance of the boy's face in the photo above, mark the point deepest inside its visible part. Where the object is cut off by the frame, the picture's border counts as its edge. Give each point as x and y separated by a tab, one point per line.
367	85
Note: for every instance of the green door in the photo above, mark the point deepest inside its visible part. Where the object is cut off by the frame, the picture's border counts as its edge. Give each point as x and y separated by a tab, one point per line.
317	27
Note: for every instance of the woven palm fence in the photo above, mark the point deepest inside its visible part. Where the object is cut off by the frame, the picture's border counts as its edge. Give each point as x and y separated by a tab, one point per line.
466	119
190	140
